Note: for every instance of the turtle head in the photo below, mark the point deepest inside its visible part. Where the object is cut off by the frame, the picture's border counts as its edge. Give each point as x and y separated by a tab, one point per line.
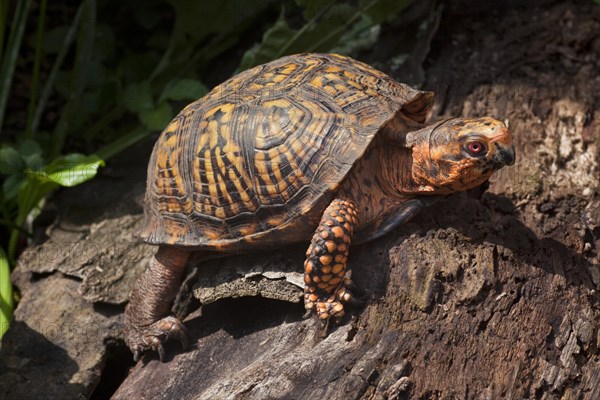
458	154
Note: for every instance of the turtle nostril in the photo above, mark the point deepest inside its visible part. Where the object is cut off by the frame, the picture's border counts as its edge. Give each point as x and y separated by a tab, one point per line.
506	155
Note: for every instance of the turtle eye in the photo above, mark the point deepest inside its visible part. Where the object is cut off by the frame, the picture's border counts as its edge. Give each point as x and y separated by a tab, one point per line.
476	148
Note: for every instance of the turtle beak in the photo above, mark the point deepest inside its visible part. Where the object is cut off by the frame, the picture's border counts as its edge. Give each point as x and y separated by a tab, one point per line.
505	155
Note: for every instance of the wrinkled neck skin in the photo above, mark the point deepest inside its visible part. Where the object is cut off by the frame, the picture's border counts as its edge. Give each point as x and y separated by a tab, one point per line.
395	158
380	184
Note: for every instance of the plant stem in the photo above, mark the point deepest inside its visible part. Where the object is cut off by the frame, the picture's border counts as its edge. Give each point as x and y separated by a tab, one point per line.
301	31
3	11
6	294
55	69
164	61
85	46
101	124
122	143
36	68
9	60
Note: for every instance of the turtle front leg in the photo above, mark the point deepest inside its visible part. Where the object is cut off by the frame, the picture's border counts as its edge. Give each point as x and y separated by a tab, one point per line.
325	289
147	321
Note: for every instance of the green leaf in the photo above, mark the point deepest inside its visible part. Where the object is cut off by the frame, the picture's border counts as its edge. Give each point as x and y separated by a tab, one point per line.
314	8
158	118
319	34
54	39
10	161
329	26
147	16
326	32
359	38
136	66
273	40
137	97
69	170
95	74
104	45
183	89
198	19
11	186
383	10
31	152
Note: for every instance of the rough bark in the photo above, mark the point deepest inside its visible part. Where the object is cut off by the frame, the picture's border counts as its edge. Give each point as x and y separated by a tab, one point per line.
492	297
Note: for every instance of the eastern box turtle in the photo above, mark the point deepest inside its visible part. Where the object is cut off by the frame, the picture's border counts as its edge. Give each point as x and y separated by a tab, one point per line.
315	147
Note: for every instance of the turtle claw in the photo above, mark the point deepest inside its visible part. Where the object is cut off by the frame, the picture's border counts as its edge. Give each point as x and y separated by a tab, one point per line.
136	355
330	306
308	314
152	337
323	329
161	352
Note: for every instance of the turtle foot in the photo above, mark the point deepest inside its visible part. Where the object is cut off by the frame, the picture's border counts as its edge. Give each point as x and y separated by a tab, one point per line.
328	306
152	337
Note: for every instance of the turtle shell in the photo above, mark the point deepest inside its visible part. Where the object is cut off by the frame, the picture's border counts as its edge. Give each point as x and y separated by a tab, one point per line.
257	160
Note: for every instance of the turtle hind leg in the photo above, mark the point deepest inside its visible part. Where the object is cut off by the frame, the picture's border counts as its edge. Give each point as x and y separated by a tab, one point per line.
147	321
325	273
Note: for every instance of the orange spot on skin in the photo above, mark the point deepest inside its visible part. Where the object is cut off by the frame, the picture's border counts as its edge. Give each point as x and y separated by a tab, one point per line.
330	245
335	281
325	260
324	235
337	232
308	267
309	251
326	277
342	247
326	270
337	268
